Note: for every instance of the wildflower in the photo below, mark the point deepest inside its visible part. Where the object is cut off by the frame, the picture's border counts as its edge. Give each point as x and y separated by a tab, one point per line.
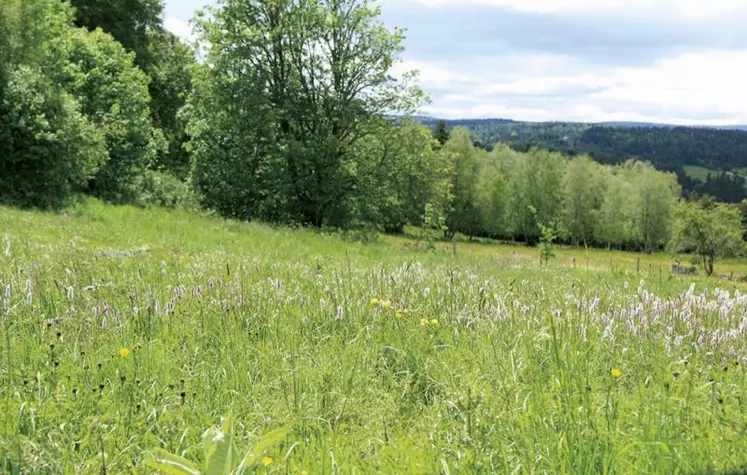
266	461
402	312
616	373
424	322
435	323
123	352
375	301
386	304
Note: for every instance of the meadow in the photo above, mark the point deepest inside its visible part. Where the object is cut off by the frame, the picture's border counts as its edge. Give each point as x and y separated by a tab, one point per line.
133	339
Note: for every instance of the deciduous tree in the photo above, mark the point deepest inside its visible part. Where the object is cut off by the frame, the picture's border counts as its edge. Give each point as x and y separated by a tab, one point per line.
317	74
709	230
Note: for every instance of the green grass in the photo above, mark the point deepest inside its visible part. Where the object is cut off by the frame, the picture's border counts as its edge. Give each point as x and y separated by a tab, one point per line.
701	173
485	362
698	173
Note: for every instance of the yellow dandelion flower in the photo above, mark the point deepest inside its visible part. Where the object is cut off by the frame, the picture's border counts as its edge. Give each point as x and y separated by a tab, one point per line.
123	352
435	323
375	301
616	373
424	322
266	461
386	304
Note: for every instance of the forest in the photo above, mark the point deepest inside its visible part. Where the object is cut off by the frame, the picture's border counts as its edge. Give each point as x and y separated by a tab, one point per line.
670	148
294	117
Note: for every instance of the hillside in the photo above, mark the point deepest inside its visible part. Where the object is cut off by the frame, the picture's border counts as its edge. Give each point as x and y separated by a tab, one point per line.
121	348
722	151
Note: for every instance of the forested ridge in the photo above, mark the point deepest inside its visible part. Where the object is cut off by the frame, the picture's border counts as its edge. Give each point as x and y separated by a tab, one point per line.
295	117
722	150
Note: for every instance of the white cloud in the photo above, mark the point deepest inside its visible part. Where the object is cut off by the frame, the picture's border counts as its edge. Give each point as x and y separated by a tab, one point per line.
702	88
676	86
687	8
179	27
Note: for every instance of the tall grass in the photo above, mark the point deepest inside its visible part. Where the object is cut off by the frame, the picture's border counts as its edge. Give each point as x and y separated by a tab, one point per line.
129	331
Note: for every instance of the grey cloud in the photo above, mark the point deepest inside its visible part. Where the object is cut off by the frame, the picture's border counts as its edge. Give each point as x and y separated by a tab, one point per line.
473	30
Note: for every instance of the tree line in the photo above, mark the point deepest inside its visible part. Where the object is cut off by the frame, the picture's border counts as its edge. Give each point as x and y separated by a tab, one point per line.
293	116
667	148
89	97
507	194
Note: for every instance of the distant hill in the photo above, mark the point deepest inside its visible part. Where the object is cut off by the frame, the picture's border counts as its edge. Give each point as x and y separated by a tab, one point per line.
656	125
720	150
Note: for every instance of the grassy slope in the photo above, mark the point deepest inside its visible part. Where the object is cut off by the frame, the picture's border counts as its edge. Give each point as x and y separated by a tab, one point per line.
276	327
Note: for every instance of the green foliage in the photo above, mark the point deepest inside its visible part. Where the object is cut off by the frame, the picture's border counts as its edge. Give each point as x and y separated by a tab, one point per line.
48	150
441	132
654	197
492	197
614	219
547	243
465	162
113	94
91	122
235	165
708	230
130	22
165	59
398	174
667	148
220	454
433	220
583	194
320	83
170	83
506	194
165	190
536	193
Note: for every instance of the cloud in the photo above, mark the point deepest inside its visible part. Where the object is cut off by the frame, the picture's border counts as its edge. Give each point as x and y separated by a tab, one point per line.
606	37
697	9
178	27
678	61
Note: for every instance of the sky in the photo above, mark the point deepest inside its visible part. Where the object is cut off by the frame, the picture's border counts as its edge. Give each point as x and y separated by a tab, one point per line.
668	61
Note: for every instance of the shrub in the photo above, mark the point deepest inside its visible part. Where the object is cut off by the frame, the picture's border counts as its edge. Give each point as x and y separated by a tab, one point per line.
48	150
165	190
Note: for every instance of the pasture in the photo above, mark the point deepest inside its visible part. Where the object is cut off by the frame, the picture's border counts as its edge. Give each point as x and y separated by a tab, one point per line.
127	334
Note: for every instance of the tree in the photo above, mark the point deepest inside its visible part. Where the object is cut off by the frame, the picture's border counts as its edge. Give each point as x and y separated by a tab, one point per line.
403	173
130	22
170	84
654	196
709	230
614	220
137	25
547	243
236	162
582	198
311	79
492	195
463	216
441	132
536	193
48	148
113	95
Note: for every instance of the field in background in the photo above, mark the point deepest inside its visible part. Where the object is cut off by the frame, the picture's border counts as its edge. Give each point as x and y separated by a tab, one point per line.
125	331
